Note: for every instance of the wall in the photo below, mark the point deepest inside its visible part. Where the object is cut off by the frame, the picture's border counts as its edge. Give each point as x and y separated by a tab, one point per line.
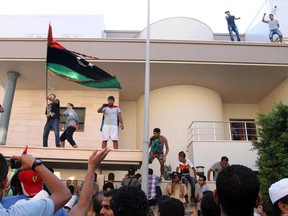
238	152
28	119
240	111
127	137
179	28
1	94
172	109
15	26
277	95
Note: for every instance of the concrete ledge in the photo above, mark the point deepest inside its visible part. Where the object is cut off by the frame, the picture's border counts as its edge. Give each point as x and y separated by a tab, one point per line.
69	158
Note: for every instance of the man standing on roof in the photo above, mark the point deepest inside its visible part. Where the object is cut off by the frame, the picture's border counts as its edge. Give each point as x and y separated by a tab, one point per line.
273	26
53	117
111	118
232	26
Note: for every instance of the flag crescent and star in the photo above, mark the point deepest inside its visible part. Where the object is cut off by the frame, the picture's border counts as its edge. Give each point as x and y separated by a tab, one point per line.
72	67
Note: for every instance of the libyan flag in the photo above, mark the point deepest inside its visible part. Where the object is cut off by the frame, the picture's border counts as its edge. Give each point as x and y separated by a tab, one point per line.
73	67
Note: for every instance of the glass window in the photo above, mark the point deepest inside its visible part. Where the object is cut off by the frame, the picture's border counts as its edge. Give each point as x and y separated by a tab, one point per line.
243	129
81	115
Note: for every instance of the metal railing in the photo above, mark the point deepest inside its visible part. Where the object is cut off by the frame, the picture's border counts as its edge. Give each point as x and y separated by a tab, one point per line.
222	130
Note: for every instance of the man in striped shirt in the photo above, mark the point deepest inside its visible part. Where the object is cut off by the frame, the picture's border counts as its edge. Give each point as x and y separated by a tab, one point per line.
154	191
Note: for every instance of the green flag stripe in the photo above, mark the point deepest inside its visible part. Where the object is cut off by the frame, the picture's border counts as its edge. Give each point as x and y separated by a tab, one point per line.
111	83
78	78
63	71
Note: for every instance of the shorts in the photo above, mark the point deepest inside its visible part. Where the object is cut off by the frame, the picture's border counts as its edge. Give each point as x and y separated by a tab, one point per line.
110	131
275	31
153	156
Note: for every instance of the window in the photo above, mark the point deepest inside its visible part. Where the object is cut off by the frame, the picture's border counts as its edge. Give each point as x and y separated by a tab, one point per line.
243	129
81	115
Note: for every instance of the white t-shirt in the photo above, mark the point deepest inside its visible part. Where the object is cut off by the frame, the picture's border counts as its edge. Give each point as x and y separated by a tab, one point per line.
42	207
185	167
111	115
273	24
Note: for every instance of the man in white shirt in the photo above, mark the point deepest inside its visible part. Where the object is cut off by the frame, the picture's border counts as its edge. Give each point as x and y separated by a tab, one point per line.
273	26
111	118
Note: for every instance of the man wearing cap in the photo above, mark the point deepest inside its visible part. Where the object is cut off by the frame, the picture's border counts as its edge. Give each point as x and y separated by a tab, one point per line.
130	180
232	26
47	206
111	118
278	193
31	182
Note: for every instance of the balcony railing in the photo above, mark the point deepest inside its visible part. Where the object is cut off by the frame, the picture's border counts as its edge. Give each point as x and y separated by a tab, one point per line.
222	130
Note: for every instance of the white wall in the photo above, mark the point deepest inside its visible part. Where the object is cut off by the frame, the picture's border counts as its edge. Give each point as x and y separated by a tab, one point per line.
1	93
179	28
207	153
127	137
77	26
172	109
277	95
240	111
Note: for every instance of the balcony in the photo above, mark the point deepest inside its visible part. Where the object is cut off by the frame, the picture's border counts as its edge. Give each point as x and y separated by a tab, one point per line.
68	158
222	130
210	140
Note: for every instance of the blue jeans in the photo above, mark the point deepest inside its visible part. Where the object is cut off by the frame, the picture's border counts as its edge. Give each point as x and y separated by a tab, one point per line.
190	179
234	28
54	124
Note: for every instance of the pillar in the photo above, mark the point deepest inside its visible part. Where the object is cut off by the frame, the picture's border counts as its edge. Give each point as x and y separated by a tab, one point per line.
12	77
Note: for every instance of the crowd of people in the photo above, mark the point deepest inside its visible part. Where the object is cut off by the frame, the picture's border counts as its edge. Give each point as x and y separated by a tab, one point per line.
37	191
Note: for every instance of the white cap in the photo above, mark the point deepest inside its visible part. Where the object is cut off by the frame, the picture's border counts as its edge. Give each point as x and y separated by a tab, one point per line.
278	190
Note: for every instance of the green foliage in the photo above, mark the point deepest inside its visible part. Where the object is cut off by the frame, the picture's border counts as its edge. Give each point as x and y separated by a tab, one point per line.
272	147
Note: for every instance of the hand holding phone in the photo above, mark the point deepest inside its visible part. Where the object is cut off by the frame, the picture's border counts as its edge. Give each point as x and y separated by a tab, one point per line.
16	164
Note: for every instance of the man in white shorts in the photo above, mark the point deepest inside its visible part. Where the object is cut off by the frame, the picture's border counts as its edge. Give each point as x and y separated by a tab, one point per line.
111	118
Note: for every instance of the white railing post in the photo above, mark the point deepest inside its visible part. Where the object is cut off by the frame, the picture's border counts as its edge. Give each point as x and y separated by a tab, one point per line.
198	131
217	130
229	128
214	131
246	132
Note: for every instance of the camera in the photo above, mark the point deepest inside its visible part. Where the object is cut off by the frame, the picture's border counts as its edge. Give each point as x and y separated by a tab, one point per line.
105	105
174	174
15	164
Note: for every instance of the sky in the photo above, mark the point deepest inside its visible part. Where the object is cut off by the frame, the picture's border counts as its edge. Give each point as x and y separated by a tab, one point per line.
132	14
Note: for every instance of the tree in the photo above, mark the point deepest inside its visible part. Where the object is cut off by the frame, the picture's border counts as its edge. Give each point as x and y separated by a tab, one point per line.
272	147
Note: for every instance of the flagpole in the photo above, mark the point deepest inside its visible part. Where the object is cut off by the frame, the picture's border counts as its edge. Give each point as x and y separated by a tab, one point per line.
46	69
145	148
